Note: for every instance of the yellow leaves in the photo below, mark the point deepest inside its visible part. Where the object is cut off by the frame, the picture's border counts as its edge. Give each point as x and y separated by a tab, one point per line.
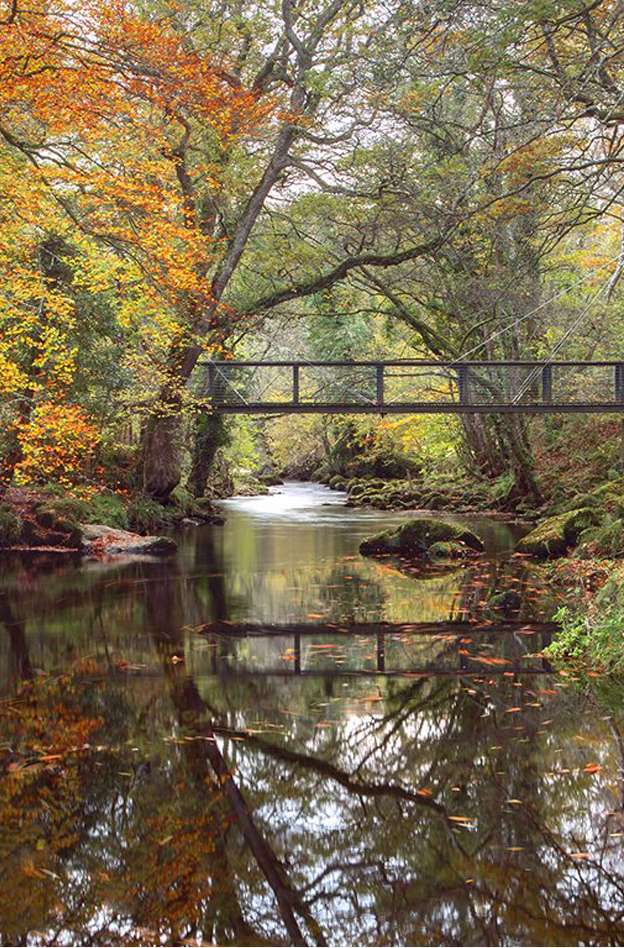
120	88
12	378
57	443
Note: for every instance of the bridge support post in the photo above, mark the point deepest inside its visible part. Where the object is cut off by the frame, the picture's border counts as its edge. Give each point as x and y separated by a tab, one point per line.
379	378
381	652
619	382
547	384
295	384
212	375
463	384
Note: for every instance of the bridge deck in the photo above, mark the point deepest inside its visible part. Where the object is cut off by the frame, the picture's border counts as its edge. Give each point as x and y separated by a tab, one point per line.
302	656
408	386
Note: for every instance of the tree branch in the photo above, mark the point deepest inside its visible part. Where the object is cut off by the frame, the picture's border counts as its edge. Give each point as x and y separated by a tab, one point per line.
342	270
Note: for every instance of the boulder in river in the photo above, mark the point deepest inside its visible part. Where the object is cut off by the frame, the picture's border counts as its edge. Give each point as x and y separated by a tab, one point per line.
427	538
555	535
98	540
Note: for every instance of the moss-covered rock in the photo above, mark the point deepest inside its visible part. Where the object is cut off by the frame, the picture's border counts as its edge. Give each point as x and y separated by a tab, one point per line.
446	550
554	536
105	507
417	537
505	603
10	527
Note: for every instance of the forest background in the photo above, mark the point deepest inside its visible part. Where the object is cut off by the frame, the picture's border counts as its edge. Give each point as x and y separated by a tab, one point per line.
185	181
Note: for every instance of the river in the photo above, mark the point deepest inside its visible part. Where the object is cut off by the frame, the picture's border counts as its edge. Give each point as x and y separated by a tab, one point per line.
270	740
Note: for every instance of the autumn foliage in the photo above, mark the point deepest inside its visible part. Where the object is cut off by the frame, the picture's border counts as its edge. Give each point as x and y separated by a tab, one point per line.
98	104
57	442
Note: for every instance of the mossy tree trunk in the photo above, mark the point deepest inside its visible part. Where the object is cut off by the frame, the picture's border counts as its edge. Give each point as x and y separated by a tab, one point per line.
161	451
209	435
499	445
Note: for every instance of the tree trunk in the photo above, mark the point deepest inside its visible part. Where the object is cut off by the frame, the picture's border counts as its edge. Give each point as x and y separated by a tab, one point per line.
209	435
161	448
481	447
522	465
499	445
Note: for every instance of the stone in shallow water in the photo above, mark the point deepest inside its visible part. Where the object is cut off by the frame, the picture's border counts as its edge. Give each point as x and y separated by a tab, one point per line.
555	535
423	538
100	539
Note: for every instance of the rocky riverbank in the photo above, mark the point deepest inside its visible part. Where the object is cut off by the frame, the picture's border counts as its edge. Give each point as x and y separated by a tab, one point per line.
100	526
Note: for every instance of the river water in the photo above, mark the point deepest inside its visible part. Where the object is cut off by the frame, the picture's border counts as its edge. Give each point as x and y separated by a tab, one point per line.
270	740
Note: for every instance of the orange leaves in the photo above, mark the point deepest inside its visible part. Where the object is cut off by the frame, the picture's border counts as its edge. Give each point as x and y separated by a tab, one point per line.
486	660
122	125
57	444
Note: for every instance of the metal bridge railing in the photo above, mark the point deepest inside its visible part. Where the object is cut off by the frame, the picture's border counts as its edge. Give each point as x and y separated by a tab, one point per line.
415	386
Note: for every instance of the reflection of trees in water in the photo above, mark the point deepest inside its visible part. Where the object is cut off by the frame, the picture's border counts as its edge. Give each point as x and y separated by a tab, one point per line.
65	613
323	818
207	764
333	824
377	843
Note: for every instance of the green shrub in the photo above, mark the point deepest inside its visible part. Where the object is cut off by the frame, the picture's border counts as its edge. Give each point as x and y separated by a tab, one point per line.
108	509
183	500
607	540
572	640
594	641
146	515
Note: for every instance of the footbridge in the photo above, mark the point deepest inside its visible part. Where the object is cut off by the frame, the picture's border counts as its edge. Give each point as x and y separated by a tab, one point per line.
411	386
369	649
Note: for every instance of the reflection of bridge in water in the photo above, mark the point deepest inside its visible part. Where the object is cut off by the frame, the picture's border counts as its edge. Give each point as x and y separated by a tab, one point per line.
408	386
456	658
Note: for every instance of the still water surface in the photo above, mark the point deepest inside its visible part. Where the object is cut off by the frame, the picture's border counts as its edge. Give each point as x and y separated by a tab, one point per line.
179	768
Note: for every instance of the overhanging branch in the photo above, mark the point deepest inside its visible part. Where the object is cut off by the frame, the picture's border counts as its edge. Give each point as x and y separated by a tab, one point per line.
342	270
